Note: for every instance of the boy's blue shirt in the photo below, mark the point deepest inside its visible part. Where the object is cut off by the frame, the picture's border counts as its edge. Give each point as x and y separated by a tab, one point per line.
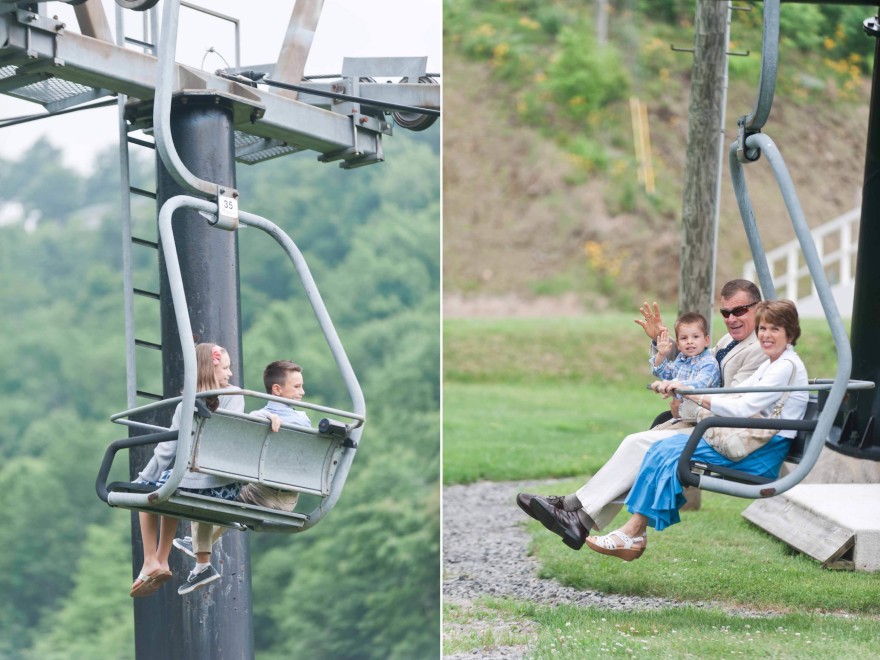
287	414
700	370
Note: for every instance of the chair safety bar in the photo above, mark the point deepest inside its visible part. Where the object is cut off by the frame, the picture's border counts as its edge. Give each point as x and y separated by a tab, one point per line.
816	385
841	381
119	418
188	397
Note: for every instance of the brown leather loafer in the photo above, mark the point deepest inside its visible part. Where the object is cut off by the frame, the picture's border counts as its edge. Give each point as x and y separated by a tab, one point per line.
524	501
564	523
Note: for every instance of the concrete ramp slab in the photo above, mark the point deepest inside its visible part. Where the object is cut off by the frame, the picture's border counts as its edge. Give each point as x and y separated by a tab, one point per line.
836	524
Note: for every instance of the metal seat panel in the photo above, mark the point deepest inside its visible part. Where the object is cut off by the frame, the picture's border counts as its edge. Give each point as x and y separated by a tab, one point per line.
230	446
247	450
298	460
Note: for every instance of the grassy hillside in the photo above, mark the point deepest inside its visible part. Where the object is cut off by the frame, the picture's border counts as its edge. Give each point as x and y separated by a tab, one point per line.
541	195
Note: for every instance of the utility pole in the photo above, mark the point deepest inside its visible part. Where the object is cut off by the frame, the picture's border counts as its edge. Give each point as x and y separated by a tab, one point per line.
702	170
703	159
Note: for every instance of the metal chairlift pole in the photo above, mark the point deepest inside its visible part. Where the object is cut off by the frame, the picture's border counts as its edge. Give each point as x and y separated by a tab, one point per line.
861	437
218	624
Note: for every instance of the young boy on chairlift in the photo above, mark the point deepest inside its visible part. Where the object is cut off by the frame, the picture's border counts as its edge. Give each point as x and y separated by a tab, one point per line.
284	379
694	366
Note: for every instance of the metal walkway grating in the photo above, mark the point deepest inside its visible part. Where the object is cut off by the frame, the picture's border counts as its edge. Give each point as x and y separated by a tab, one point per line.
252	149
43	88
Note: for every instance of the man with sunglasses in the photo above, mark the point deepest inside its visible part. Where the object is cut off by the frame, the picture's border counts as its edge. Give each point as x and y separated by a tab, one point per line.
596	503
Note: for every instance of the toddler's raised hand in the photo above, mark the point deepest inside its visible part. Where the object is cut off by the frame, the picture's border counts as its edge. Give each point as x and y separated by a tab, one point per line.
664	343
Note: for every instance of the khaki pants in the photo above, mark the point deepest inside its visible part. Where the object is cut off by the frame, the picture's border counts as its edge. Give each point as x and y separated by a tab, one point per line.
600	496
204	536
270	498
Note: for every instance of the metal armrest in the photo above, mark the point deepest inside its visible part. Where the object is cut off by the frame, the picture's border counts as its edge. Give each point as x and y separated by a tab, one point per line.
126	443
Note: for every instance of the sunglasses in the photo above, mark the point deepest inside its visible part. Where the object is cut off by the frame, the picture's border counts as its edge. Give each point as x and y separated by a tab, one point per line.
737	311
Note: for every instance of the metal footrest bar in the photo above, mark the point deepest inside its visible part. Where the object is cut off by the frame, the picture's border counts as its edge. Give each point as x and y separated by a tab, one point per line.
146	294
214	511
140	192
146	243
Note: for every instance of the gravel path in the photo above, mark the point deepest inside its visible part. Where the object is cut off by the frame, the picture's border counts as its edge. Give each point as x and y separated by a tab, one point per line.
485	548
485	554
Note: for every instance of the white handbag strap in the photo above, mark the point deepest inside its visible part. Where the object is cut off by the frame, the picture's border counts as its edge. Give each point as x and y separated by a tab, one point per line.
779	405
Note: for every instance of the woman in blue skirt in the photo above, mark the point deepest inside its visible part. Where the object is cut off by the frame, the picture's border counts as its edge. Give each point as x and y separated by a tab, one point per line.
657	494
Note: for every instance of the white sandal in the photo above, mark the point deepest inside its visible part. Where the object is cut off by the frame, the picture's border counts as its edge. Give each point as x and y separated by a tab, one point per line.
607	545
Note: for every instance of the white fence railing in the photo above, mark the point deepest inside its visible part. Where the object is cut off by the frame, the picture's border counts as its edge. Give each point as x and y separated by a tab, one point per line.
837	244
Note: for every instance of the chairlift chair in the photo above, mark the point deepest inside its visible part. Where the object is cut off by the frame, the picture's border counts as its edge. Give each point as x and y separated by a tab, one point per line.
240	446
225	443
814	429
243	448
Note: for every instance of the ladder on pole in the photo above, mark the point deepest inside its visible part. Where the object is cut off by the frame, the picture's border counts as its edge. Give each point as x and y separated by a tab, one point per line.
129	193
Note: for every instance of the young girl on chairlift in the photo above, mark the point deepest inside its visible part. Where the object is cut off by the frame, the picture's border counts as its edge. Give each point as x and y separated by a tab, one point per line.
157	532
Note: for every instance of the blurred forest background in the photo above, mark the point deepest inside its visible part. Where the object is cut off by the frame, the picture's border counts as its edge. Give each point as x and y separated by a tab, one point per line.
544	213
365	583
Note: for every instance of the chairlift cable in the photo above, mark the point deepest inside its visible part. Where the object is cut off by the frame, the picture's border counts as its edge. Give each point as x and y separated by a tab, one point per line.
373	103
327	76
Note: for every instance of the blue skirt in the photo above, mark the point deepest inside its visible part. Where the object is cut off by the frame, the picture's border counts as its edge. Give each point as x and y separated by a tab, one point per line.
658	494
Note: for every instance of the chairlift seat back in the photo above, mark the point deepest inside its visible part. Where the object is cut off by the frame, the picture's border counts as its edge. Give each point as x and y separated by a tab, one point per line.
799	442
245	448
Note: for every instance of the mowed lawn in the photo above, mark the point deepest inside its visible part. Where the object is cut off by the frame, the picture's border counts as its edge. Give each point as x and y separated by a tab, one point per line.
519	431
533	399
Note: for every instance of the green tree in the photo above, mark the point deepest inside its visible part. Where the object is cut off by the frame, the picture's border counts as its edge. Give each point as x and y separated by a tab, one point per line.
375	564
39	547
95	620
372	240
66	185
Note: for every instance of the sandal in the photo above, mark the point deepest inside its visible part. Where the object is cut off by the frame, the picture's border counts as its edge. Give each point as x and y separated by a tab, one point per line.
607	545
147	585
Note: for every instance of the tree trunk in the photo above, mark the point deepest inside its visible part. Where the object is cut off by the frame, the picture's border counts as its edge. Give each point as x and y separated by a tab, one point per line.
702	171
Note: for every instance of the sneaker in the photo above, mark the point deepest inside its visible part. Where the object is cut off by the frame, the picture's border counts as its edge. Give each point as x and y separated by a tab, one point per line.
185	545
198	580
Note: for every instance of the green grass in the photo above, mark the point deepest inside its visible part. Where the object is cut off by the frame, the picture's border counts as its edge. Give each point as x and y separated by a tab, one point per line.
713	555
519	431
532	399
582	632
608	349
605	349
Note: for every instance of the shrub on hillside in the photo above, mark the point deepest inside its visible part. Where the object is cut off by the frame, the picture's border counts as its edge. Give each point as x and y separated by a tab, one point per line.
583	77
